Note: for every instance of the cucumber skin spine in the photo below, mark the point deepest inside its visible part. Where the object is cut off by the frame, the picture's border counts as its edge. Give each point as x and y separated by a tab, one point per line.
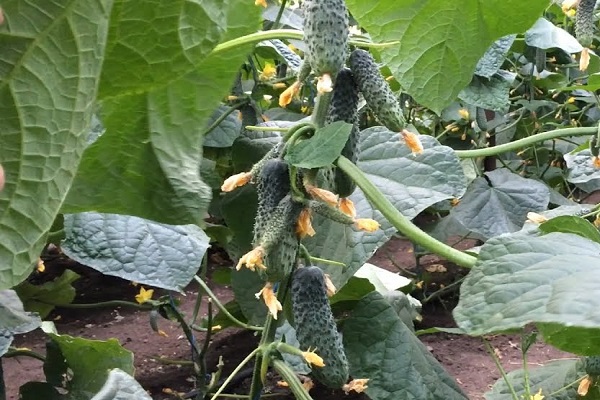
584	22
316	328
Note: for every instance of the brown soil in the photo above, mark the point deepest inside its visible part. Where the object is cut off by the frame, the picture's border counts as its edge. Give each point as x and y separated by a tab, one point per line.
465	358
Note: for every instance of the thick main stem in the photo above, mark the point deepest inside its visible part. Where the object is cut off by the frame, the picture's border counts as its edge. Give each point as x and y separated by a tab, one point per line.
400	222
528	141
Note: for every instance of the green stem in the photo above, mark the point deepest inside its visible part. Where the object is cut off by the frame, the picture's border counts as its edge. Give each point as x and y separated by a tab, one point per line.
286	34
111	303
562	389
223	116
265	128
518	144
234	372
279	14
490	350
290	377
400	222
222	308
321	107
16	352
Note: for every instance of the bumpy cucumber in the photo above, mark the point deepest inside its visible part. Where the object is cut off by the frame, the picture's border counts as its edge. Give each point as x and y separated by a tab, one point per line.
315	326
592	365
376	91
344	107
272	185
326	35
330	212
280	240
584	22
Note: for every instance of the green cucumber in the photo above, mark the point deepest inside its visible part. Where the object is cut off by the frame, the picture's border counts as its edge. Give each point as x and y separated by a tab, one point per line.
326	33
584	22
592	365
376	91
316	328
331	213
272	185
344	107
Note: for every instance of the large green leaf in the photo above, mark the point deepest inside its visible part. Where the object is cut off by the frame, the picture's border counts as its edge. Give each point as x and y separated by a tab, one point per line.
135	249
499	202
545	35
490	94
121	386
322	149
381	348
51	58
440	39
551	378
494	56
14	319
521	279
147	162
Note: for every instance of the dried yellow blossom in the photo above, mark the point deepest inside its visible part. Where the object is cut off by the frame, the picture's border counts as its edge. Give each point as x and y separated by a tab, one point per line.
331	289
269	71
568	5
596	162
235	181
232	98
412	141
162	333
2	179
252	259
322	194
144	295
571	13
571	100
41	267
584	61
464	113
260	3
288	94
584	386
536	218
356	385
366	224
304	225
597	221
279	85
454	202
324	84
216	328
538	395
270	299
313	358
347	207
308	384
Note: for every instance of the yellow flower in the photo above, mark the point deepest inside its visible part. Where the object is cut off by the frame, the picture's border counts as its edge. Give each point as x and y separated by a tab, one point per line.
236	180
324	84
270	299
313	358
412	141
347	207
571	100
288	94
331	289
269	71
41	267
279	85
304	225
366	224
260	3
454	202
322	194
568	5
252	259
584	386
216	328
464	113
596	162
356	385
538	395
571	13
584	61
536	218
144	295
597	221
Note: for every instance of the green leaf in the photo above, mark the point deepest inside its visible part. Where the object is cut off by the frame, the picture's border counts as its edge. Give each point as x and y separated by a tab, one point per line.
14	319
490	94
322	149
286	333
354	290
245	285
494	56
551	378
238	209
545	35
89	362
225	133
439	38
251	146
581	169
381	348
499	203
135	249
43	298
121	386
52	56
572	224
521	279
147	162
